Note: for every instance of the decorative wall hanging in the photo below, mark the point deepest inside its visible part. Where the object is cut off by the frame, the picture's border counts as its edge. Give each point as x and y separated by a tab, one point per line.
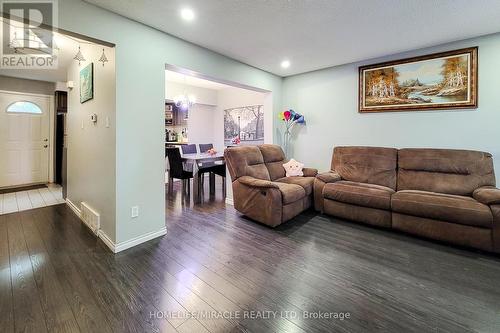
290	118
87	83
79	56
244	125
446	80
103	58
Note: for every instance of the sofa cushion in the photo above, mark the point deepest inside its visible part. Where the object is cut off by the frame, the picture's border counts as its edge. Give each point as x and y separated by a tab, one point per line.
305	182
444	207
273	157
290	192
361	194
246	161
371	165
449	171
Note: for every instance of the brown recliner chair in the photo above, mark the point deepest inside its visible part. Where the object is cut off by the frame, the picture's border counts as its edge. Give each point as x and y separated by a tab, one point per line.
260	189
443	194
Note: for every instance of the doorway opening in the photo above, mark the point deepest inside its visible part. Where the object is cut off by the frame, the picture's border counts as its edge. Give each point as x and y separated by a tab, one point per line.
203	116
34	110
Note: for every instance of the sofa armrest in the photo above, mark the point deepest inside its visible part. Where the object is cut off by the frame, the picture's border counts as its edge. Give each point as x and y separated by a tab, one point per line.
487	195
329	177
319	183
310	172
260	200
255	182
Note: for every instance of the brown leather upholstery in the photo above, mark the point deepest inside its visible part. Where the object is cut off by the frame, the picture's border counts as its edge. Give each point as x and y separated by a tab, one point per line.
488	195
479	238
372	216
290	192
361	194
305	182
495	210
254	172
371	165
329	177
310	172
443	207
319	183
274	158
443	194
448	171
246	161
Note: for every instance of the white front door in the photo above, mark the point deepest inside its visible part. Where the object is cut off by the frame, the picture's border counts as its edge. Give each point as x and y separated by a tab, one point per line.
24	139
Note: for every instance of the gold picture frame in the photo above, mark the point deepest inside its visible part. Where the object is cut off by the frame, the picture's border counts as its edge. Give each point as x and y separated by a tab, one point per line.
445	80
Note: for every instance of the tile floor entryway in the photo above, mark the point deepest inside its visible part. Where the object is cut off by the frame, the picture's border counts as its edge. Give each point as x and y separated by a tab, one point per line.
24	200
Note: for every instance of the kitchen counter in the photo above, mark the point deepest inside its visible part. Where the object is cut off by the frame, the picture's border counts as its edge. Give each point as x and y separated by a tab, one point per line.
175	143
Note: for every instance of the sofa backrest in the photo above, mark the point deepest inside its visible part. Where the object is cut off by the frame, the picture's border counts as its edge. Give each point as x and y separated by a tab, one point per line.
374	165
447	171
246	161
274	158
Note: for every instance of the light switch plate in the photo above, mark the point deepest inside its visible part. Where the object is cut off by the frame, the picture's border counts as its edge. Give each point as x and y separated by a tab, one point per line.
135	211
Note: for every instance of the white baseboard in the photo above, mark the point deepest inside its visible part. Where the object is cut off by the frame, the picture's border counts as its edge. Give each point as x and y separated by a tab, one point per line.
74	208
122	246
230	201
106	240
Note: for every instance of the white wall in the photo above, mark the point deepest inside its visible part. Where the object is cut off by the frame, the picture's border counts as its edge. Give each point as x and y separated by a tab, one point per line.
203	95
141	55
328	100
201	124
91	149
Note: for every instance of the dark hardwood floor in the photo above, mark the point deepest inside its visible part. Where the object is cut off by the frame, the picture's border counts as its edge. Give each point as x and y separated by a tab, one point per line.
216	271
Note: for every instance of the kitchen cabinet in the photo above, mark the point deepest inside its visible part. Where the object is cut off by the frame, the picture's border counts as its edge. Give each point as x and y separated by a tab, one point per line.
175	116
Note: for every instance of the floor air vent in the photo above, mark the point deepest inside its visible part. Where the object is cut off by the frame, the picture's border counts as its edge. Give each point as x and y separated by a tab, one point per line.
91	218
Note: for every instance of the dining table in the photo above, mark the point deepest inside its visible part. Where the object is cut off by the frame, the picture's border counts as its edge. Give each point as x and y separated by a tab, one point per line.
197	160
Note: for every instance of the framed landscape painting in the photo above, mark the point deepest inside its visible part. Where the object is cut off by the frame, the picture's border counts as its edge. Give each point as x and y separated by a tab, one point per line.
445	80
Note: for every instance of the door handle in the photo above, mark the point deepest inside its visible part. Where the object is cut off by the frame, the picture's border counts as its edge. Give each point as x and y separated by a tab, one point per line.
46	140
45	146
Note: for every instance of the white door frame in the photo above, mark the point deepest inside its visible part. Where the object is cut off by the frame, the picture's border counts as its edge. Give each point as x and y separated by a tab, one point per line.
51	126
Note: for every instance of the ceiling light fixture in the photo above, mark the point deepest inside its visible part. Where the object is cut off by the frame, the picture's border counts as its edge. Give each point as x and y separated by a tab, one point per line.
187	14
185	101
285	63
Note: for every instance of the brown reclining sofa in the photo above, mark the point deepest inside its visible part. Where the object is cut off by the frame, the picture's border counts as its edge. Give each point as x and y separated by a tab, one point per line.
443	194
260	189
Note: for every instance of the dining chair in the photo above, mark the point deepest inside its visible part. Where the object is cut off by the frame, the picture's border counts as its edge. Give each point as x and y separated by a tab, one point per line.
176	169
189	149
204	147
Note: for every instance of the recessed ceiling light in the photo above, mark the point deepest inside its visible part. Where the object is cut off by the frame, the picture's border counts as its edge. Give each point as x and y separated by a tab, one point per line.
187	14
285	63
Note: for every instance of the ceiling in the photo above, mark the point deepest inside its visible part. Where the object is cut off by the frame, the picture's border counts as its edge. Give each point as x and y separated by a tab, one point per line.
172	76
314	34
